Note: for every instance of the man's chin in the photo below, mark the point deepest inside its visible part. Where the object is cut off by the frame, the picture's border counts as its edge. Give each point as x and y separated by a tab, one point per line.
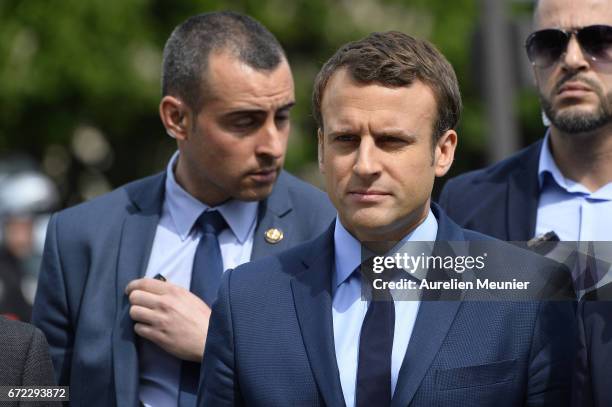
367	222
380	223
255	192
577	121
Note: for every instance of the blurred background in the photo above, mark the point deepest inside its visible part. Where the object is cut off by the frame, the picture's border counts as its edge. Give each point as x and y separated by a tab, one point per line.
79	94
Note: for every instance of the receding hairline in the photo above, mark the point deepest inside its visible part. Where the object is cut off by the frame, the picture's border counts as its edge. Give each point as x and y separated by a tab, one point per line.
209	88
187	51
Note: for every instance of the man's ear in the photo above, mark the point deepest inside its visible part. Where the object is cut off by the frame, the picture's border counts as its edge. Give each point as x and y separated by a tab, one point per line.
444	152
320	140
175	117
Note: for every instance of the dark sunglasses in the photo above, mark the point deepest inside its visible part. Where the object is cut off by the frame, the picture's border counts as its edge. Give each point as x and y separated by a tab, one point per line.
545	47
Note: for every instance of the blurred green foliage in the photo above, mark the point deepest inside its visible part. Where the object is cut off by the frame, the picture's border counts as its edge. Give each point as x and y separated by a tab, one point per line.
70	65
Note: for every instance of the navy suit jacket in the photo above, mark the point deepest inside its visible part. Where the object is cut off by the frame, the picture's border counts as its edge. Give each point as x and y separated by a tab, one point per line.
95	249
500	200
270	340
592	379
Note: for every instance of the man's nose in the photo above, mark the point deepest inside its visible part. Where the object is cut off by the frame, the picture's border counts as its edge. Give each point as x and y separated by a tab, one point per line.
574	58
366	162
272	140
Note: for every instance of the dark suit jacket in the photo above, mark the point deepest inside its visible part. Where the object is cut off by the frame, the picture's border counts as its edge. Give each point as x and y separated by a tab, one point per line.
500	200
12	301
592	380
95	249
270	340
24	358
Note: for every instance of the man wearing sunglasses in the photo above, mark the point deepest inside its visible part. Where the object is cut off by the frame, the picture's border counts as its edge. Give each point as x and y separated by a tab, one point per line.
562	183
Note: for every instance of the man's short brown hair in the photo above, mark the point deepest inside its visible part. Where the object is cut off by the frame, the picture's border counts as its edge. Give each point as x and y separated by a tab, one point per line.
395	59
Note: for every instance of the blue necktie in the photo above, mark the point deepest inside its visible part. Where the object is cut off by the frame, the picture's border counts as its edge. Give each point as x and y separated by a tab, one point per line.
375	350
208	263
205	280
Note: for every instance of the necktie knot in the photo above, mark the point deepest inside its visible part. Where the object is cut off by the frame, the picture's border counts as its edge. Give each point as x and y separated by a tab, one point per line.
211	222
365	272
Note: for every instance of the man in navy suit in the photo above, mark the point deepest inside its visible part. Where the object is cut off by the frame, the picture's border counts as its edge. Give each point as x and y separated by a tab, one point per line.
292	329
128	279
563	182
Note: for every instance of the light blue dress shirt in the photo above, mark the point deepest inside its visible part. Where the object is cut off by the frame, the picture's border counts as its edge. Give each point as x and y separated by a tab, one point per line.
172	256
348	310
569	208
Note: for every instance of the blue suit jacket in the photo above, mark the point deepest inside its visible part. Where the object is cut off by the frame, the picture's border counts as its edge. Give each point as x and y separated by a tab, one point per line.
592	378
95	249
500	200
270	340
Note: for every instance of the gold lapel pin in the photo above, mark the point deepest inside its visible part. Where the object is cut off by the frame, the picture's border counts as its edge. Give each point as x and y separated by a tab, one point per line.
273	235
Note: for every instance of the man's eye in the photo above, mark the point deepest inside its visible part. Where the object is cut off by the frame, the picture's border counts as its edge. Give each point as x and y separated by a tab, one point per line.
393	141
244	122
281	118
390	139
344	138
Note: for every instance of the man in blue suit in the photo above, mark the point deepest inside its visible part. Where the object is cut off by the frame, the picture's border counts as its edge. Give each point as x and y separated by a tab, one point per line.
563	182
128	279
292	329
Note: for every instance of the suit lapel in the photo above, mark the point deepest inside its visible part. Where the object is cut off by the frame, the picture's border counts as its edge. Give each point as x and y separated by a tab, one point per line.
137	238
313	303
523	197
272	214
433	322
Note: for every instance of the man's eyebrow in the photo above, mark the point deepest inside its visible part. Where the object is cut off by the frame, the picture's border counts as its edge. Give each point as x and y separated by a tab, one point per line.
342	131
287	106
242	112
247	110
396	133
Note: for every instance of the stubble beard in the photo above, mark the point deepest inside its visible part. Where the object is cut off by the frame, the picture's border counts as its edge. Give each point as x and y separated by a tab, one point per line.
577	121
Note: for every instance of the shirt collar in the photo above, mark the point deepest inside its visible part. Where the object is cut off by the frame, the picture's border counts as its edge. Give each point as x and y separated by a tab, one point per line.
185	209
348	248
548	167
549	171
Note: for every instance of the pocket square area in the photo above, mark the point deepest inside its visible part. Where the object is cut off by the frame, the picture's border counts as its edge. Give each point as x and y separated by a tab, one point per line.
477	375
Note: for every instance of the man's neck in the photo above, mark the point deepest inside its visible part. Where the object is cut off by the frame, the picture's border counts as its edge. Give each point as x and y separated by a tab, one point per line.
198	187
584	158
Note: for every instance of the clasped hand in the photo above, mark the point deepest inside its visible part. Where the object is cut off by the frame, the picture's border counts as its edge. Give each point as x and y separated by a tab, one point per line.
170	316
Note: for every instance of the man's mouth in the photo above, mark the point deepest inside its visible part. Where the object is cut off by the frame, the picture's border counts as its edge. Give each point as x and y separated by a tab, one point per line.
265	175
367	195
574	88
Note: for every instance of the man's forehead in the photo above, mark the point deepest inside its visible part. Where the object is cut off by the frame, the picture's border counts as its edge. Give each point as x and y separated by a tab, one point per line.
229	79
355	107
344	91
572	13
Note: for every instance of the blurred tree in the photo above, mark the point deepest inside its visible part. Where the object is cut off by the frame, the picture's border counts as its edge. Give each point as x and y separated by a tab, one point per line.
79	80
